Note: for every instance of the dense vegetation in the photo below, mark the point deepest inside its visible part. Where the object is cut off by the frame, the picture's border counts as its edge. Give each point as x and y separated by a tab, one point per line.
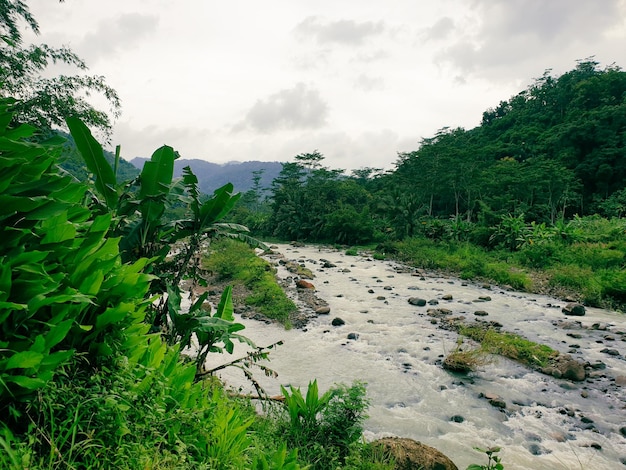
91	370
539	185
92	373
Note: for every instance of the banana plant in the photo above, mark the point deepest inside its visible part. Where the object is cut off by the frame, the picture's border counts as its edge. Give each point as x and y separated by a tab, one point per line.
139	210
303	411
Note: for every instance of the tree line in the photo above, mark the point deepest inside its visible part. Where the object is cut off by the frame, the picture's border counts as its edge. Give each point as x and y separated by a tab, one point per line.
553	151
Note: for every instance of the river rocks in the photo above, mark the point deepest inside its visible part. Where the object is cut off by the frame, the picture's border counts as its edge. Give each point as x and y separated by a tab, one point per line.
438	312
324	310
495	400
564	366
353	336
413	455
574	309
457	419
417	301
480	313
302	284
446	297
498	403
610	352
337	321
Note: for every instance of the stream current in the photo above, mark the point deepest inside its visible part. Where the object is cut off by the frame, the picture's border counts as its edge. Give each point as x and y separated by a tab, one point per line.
547	423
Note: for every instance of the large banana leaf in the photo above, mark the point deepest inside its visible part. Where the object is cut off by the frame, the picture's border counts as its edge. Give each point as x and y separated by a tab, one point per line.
93	155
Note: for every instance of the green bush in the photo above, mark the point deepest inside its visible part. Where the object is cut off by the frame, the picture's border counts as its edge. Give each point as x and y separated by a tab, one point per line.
325	428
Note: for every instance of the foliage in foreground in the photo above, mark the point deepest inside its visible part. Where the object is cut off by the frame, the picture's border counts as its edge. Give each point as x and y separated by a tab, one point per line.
84	382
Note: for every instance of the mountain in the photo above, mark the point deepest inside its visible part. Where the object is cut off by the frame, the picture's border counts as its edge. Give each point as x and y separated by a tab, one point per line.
213	175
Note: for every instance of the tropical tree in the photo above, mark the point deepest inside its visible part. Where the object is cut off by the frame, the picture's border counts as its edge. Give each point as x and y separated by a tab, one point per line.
41	100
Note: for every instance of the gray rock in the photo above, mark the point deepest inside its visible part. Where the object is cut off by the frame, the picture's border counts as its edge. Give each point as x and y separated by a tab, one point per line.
574	309
337	322
417	301
325	310
610	352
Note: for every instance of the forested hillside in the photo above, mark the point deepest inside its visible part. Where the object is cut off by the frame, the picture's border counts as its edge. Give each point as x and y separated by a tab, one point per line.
553	151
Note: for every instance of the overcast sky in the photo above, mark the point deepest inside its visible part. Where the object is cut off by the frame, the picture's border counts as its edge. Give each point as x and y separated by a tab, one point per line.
357	80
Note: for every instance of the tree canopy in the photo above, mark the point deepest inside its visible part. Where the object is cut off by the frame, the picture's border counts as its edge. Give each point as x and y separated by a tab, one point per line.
46	101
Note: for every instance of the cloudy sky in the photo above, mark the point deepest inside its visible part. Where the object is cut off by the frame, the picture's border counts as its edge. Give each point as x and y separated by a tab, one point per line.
357	80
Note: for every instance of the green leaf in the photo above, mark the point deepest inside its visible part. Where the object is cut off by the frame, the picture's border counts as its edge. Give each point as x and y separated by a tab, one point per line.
91	284
225	308
25	382
57	229
52	361
114	314
157	173
218	206
24	360
57	333
93	155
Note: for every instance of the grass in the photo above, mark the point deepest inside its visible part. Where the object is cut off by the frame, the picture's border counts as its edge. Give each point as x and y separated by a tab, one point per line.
510	345
235	262
467	260
465	360
592	269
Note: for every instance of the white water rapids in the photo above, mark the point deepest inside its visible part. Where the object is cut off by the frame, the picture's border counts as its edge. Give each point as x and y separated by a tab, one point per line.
548	423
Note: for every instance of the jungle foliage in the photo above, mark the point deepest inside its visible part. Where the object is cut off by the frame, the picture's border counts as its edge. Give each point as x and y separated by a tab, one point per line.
530	188
91	369
555	150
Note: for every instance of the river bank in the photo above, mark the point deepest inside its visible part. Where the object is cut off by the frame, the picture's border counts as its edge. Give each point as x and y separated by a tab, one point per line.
397	349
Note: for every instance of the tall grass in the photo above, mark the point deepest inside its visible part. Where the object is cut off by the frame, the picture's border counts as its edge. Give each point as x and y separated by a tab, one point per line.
586	259
464	259
235	262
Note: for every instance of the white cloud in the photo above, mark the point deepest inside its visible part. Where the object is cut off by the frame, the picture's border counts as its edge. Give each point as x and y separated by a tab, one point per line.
346	32
297	108
120	33
506	39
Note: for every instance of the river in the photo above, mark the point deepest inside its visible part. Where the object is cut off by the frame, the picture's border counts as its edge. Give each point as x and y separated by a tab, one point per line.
547	423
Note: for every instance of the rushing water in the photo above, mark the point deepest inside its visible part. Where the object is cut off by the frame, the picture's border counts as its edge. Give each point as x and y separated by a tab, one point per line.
547	424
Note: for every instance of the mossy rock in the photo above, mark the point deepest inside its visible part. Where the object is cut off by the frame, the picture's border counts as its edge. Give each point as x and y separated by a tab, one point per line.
409	454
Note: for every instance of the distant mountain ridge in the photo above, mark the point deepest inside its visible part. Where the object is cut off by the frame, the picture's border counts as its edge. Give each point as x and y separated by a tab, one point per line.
214	175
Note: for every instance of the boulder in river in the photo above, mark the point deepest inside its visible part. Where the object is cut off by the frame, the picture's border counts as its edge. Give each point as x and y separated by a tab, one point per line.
412	455
575	309
323	310
337	322
417	301
566	367
302	284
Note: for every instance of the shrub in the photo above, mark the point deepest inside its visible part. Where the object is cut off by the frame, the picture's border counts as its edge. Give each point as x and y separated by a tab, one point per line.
325	427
